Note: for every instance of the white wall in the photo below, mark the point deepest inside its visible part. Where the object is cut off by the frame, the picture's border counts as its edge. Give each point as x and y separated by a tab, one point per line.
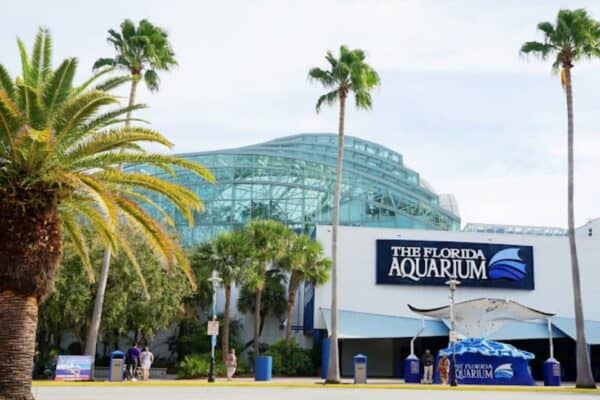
552	273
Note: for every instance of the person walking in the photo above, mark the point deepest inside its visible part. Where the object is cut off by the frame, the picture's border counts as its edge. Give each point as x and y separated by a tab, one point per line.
132	360
444	369
231	364
147	359
427	361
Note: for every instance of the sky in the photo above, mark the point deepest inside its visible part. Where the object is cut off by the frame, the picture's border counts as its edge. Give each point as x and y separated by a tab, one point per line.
466	111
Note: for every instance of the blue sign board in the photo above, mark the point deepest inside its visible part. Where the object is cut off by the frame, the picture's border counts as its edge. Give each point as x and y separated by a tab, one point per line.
73	368
421	262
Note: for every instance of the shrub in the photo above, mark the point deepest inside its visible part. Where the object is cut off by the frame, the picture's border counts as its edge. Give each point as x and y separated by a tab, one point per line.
198	366
290	360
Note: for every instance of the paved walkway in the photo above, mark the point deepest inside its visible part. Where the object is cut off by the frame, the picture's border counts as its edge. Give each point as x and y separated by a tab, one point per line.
292	389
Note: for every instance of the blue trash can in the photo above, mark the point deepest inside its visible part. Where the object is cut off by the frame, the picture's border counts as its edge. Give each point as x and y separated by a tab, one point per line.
117	366
412	369
324	357
360	368
263	366
551	372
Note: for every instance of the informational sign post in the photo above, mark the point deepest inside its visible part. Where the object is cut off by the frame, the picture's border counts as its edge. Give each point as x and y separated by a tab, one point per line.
74	368
433	263
213	328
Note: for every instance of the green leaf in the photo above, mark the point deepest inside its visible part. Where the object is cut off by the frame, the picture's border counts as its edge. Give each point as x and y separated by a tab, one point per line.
59	87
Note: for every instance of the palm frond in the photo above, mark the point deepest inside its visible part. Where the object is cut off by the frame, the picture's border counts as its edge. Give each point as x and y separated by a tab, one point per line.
124	246
143	199
47	57
113	83
149	228
10	119
152	80
59	86
97	221
184	199
328	98
24	60
111	118
32	105
36	59
104	62
325	78
162	161
6	83
541	50
85	85
102	196
113	139
73	230
76	110
363	100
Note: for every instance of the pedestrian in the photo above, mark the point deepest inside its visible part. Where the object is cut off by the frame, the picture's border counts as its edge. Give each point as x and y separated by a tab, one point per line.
427	361
132	360
444	369
147	359
231	364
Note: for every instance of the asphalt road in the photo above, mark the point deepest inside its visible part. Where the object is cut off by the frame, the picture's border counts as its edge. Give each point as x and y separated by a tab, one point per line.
286	393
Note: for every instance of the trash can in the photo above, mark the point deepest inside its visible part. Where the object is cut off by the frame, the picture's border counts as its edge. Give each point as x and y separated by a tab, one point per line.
117	366
551	372
263	366
360	368
324	358
412	369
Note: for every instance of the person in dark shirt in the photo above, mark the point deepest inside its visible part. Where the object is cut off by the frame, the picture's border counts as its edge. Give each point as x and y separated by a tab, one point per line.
132	360
427	360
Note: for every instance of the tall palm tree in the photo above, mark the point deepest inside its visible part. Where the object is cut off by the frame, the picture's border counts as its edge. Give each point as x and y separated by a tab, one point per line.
268	241
573	37
348	73
140	51
59	155
304	261
227	254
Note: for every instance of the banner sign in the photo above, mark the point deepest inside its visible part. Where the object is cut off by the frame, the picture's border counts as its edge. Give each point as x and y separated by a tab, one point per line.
73	368
475	369
432	263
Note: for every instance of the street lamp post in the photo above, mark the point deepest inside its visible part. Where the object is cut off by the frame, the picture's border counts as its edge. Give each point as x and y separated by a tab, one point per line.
215	280
452	283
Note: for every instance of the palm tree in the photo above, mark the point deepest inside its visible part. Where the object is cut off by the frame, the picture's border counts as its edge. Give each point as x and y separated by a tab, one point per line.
144	49
267	240
304	261
347	73
141	51
59	157
573	37
227	254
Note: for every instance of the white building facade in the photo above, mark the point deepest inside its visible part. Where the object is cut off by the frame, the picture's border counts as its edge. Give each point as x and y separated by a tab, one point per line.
411	268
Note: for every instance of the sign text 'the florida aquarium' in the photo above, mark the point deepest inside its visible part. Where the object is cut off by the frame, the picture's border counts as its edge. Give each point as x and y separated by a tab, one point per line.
419	262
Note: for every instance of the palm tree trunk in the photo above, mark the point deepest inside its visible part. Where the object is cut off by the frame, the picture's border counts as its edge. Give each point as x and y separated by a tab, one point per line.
18	319
94	329
257	323
292	290
225	338
584	371
333	370
132	93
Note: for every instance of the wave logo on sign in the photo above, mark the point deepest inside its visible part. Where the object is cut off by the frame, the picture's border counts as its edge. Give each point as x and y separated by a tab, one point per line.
504	371
507	264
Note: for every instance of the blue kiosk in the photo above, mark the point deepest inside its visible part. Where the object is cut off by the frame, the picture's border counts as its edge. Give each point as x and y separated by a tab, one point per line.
481	361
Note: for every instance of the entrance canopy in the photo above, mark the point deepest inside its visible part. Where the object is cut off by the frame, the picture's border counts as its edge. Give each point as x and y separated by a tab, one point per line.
354	324
483	317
